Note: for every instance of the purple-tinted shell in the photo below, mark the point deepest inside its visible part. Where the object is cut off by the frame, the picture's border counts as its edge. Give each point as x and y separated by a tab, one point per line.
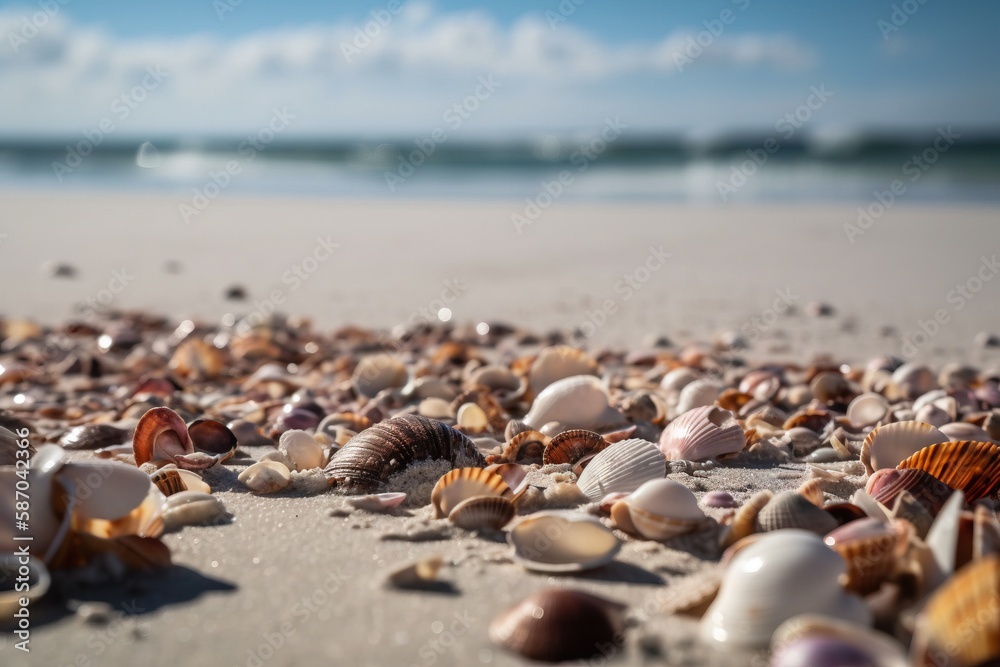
822	652
719	499
884	485
295	419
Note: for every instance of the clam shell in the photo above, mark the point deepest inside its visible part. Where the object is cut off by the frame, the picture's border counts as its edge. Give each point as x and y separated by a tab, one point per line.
745	520
489	512
370	458
960	626
867	409
553	541
464	483
559	624
697	394
678	378
556	363
719	499
580	401
702	433
971	467
266	477
417	575
377	372
302	450
571	446
37	583
472	418
104	489
964	431
377	502
781	575
93	436
870	548
886	484
192	508
662	508
170	480
624	466
790	509
160	435
889	444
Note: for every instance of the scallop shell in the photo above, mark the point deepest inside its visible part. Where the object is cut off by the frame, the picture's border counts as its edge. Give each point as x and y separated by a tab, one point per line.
377	372
745	520
370	458
37	582
960	626
624	466
558	624
464	483
170	480
790	509
93	436
889	444
192	508
527	447
867	409
514	475
702	433
266	477
971	467
302	450
886	485
377	502
661	509
580	401
781	575
870	548
553	541
556	363
489	512
571	446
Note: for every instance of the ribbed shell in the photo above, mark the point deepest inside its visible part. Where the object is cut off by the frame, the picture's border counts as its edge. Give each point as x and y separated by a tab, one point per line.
886	484
172	480
558	624
527	447
972	467
889	444
624	466
790	509
869	547
571	446
493	512
701	434
464	483
371	457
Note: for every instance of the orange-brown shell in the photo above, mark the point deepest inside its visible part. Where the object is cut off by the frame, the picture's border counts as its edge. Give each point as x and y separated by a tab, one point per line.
526	447
160	434
571	446
966	465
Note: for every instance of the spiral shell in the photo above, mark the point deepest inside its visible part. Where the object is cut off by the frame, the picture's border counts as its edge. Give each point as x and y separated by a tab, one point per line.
968	466
370	458
702	433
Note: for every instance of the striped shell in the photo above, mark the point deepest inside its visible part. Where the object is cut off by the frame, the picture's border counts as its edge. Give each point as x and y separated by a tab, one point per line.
171	480
702	433
624	466
870	548
745	520
889	444
571	446
492	512
887	484
527	447
972	467
790	509
371	457
458	485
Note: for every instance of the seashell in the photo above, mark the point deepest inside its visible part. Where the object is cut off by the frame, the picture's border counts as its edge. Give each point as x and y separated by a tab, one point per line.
170	480
463	483
829	387
214	437
483	512
964	431
495	417
160	435
719	499
702	433
144	520
679	378
266	477
889	444
197	360
571	446
495	378
377	372
274	378
608	501
514	476
942	538
557	363
960	625
435	408
48	529
514	426
33	582
911	380
93	436
420	574
247	434
781	575
767	415
821	641
527	447
624	466
698	394
191	508
812	490
559	624
377	502
103	489
870	548
867	409
662	508
762	384
908	508
554	541
814	420
371	457
790	509
886	484
429	387
845	513
580	401
472	418
733	400
935	416
745	520
971	467
294	418
349	420
301	450
985	531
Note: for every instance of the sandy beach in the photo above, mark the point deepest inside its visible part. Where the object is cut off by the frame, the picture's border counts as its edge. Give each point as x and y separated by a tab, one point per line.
299	579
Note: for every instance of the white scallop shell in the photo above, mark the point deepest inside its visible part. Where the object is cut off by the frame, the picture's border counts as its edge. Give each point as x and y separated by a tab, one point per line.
698	394
553	541
580	401
780	575
867	409
623	466
662	508
889	444
702	433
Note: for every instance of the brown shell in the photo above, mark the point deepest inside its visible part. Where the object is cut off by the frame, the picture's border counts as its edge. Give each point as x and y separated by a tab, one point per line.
168	481
212	436
790	509
482	397
733	400
886	484
571	446
745	520
870	548
814	420
966	465
527	447
371	457
559	624
492	512
158	424
464	483
93	436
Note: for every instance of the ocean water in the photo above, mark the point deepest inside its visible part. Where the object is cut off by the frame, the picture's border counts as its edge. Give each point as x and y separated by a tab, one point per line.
931	167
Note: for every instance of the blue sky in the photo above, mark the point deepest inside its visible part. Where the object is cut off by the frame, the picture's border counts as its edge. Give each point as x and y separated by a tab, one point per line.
225	75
